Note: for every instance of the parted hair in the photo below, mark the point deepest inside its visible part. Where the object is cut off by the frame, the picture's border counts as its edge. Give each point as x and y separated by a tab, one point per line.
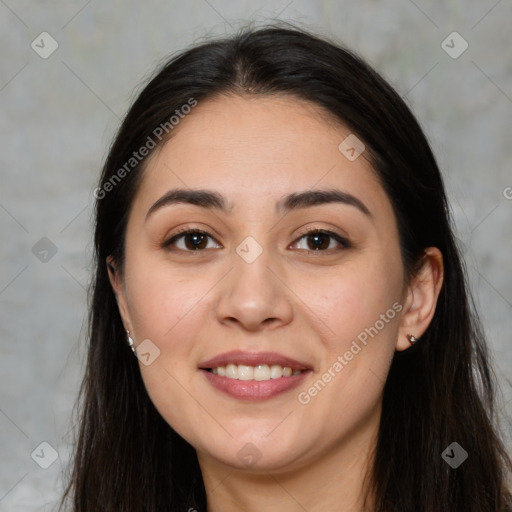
443	389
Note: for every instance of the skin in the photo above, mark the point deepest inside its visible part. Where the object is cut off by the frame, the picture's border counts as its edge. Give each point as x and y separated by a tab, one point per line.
308	305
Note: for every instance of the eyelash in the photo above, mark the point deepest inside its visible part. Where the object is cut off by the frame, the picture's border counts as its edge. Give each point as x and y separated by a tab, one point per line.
345	244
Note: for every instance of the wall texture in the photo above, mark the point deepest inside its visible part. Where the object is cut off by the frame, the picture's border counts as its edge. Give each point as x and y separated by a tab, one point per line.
67	74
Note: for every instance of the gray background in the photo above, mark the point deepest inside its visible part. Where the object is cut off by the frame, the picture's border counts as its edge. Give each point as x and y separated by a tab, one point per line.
60	113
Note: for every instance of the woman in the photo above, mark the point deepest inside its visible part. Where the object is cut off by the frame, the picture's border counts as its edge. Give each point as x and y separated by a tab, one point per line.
273	243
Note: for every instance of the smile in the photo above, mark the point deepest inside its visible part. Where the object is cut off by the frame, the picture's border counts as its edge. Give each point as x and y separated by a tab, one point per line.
260	372
253	376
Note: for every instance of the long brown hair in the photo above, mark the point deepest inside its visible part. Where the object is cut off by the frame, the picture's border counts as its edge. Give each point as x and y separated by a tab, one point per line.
442	390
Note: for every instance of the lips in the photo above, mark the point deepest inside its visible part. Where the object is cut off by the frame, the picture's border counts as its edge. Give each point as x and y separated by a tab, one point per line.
250	387
238	357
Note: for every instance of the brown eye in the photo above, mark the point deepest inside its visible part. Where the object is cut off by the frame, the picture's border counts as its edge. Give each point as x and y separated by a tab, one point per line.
191	240
320	240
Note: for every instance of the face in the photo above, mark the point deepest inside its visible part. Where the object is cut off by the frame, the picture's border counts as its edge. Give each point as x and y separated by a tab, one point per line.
260	277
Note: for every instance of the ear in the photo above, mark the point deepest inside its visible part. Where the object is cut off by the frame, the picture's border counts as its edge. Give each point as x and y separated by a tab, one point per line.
116	282
420	297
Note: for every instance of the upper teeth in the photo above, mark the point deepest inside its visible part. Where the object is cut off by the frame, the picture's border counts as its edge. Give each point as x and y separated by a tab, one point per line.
260	372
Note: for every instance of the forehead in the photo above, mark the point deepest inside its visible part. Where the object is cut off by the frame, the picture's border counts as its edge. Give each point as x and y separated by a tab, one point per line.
255	149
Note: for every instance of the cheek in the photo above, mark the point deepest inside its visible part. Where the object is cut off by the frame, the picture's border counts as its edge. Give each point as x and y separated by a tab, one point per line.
165	309
160	298
333	308
353	298
358	310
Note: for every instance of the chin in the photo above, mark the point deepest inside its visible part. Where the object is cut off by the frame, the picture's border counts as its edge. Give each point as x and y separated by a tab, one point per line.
254	454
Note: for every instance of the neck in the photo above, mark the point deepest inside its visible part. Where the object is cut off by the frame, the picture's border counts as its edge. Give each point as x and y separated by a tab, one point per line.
334	481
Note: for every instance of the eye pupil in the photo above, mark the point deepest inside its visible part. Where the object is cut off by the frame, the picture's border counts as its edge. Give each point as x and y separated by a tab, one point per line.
198	241
321	241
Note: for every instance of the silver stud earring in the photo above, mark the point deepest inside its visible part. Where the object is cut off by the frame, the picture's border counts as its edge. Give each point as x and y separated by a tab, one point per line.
412	339
130	341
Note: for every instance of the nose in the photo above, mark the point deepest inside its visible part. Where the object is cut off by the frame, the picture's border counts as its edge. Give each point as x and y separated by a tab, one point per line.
253	296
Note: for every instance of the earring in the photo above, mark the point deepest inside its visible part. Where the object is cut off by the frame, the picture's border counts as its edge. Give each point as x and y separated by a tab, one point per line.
412	339
130	341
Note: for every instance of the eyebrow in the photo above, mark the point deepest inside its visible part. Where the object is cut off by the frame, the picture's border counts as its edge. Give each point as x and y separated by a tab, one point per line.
212	200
